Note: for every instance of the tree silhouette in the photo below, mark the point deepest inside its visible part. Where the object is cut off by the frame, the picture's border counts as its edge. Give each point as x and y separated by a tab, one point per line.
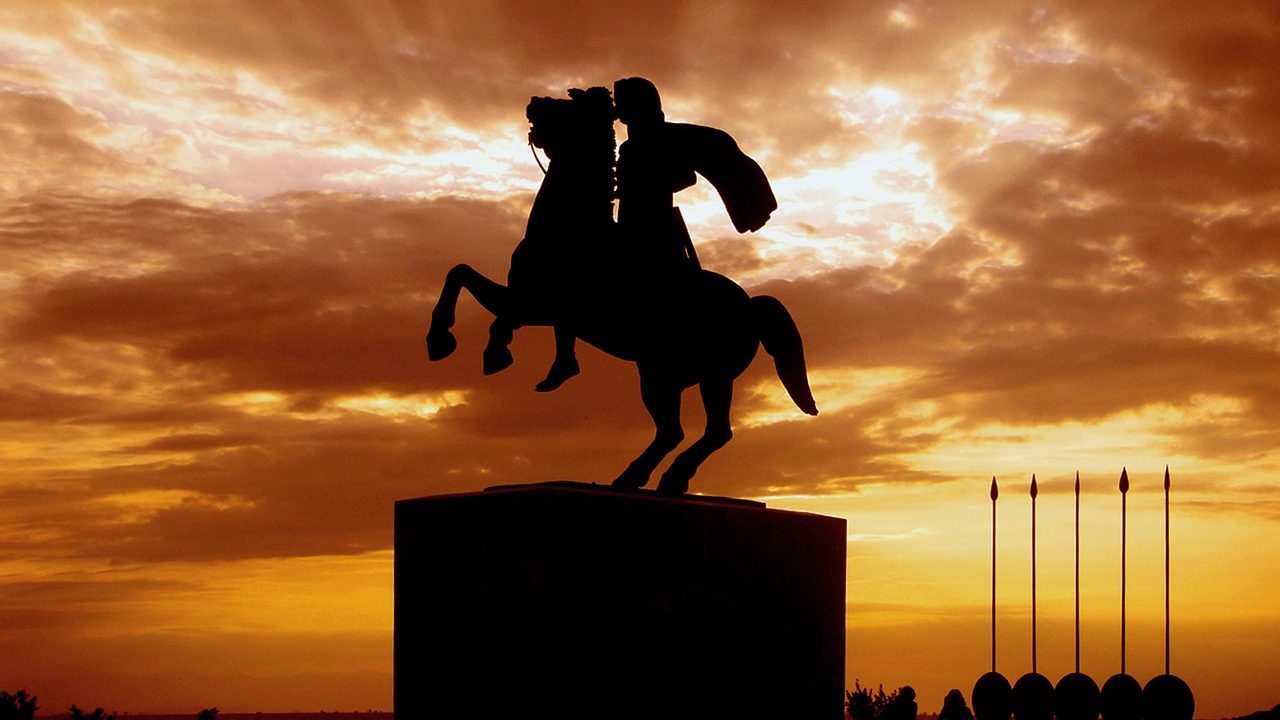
19	706
864	704
207	714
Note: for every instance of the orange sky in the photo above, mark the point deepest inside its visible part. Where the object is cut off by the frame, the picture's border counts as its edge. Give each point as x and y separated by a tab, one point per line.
1018	237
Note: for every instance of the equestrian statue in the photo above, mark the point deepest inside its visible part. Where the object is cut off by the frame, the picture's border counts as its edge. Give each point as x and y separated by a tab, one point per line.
634	288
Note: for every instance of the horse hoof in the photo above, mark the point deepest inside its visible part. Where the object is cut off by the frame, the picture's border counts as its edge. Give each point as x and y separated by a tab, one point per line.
674	488
559	373
440	345
496	359
675	481
630	481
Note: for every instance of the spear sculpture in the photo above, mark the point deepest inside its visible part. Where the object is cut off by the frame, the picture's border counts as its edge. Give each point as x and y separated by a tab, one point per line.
1077	695
1167	697
991	694
1033	693
1121	693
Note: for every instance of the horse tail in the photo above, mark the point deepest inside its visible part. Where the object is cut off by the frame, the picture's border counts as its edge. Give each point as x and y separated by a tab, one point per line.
781	339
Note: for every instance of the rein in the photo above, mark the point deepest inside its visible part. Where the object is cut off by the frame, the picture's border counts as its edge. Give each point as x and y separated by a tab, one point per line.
534	150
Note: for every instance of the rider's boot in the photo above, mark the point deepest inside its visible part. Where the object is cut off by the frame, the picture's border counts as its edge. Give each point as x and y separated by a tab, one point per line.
564	366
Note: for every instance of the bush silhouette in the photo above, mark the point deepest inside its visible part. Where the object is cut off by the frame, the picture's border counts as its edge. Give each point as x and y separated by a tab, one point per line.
864	704
97	714
19	706
207	714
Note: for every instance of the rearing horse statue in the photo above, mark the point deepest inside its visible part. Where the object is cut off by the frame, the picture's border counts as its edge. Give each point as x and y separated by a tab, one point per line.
573	270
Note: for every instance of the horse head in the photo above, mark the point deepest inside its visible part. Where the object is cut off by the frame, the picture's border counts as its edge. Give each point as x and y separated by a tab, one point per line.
577	136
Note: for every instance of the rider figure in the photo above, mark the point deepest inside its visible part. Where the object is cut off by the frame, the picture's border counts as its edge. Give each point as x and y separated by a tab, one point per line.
652	167
658	160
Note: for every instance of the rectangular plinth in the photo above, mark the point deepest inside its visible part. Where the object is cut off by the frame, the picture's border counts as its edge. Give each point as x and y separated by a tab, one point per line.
565	601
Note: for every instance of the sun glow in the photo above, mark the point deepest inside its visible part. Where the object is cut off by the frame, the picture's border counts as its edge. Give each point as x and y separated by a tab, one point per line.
419	406
142	505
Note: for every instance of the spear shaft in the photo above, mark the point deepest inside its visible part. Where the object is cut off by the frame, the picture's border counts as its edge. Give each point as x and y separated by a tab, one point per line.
1166	569
995	493
1033	573
1124	534
1077	571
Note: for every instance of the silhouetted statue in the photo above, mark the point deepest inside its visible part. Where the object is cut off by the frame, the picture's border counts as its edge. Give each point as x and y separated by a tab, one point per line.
578	272
658	160
954	707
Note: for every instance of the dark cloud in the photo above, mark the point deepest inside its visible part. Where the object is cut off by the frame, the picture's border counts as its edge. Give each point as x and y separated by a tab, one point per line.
51	143
75	602
195	441
1083	92
30	403
243	670
762	69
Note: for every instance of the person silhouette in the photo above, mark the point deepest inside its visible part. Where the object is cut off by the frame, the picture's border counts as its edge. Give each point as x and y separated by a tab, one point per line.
902	707
661	158
954	707
658	160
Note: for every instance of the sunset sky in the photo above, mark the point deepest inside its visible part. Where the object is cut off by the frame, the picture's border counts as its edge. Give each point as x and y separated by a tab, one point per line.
1018	237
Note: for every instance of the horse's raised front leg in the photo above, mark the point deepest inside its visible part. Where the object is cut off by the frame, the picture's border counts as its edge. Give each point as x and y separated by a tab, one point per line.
662	400
491	295
717	396
497	353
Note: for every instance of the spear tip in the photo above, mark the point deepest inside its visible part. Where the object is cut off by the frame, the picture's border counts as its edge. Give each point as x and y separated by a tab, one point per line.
1166	477
1124	480
1077	482
1034	490
995	491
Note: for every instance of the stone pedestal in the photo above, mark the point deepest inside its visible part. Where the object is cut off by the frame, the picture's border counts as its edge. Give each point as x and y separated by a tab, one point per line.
571	601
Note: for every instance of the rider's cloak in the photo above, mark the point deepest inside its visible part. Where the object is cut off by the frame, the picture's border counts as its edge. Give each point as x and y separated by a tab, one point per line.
741	183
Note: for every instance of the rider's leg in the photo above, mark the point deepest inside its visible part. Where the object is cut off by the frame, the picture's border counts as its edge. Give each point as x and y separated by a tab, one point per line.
565	365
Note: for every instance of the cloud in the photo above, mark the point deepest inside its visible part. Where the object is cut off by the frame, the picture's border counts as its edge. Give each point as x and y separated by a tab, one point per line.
1011	233
278	324
42	134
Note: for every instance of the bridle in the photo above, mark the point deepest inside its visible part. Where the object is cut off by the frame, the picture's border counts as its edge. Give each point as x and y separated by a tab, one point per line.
534	150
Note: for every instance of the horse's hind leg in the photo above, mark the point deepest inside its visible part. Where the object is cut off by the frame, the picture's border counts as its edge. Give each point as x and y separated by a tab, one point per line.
491	295
717	395
662	400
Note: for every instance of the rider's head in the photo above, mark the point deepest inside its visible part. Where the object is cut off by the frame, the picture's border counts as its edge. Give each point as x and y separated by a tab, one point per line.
638	102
